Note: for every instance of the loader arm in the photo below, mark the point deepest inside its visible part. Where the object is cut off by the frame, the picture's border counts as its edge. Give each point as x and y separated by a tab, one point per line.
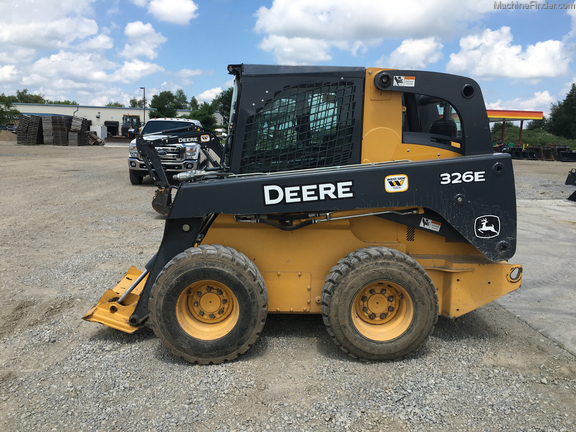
162	200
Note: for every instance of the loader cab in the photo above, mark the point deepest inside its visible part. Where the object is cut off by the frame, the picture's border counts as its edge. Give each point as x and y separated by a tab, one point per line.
430	120
300	117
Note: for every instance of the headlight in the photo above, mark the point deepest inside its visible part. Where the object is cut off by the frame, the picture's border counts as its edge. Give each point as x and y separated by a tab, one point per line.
133	151
191	151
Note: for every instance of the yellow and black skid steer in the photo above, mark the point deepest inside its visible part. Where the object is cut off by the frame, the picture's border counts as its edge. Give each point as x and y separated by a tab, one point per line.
370	196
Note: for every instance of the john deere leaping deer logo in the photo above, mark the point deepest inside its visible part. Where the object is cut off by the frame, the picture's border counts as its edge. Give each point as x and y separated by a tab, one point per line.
487	226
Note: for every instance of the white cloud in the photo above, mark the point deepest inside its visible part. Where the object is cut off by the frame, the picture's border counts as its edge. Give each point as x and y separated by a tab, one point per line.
540	102
100	42
491	54
174	11
187	73
8	73
208	95
295	51
33	80
47	34
140	3
106	95
15	55
79	67
356	26
144	40
572	13
134	70
413	54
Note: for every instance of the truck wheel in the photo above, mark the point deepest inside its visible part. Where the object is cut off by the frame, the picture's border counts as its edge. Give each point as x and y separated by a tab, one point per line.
135	179
209	304
379	304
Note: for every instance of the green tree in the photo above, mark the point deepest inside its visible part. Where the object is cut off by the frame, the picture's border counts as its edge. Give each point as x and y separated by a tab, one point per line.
25	97
205	115
163	105
8	114
562	121
114	104
194	105
223	103
64	102
538	124
497	128
181	99
136	103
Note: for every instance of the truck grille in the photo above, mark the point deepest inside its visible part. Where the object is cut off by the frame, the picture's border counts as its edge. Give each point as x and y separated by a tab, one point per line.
172	153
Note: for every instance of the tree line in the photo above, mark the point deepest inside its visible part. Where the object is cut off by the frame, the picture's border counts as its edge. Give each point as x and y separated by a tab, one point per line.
167	104
8	114
164	104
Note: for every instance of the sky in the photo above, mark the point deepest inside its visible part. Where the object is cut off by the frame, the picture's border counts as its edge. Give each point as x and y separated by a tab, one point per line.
100	51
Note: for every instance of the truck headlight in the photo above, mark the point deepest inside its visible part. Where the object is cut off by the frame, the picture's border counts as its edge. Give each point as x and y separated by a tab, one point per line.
133	151
191	151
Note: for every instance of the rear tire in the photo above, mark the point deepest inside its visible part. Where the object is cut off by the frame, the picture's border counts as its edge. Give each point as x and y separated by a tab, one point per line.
134	178
379	304
209	304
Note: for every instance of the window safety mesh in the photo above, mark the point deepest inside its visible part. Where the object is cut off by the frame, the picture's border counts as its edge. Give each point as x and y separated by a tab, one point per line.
306	126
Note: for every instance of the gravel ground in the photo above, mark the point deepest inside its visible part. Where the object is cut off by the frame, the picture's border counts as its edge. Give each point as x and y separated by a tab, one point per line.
71	225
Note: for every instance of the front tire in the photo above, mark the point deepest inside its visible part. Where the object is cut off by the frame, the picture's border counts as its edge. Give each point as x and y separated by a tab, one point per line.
209	304
379	304
134	178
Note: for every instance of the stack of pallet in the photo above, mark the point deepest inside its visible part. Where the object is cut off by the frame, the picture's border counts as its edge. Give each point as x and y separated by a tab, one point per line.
29	130
47	130
77	134
92	138
60	127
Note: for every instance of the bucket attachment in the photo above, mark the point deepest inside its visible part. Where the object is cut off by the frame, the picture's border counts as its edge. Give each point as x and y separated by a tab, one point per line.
162	200
110	312
571	179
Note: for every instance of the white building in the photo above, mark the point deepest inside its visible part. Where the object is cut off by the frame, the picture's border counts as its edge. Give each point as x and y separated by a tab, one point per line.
99	115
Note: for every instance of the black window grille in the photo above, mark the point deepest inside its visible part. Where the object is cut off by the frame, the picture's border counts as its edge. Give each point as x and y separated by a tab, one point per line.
304	126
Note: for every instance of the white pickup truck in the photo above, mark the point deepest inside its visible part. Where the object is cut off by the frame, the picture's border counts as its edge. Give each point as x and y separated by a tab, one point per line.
176	158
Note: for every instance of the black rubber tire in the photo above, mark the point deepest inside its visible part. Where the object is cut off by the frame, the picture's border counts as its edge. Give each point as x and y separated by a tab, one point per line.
217	263
134	178
360	269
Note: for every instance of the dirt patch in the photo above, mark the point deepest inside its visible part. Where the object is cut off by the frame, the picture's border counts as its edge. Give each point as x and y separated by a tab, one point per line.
7	136
71	224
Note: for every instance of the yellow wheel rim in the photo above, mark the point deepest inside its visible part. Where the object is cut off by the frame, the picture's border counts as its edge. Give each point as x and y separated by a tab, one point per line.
382	311
207	310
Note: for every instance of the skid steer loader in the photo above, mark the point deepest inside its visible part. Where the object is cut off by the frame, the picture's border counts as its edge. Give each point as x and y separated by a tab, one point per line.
370	196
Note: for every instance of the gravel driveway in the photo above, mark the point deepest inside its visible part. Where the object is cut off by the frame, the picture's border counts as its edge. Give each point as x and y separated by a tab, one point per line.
71	225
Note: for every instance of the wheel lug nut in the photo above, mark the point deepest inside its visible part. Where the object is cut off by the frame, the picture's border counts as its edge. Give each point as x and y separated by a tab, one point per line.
196	304
364	298
224	301
221	311
382	315
208	289
372	292
211	315
199	294
219	292
201	313
390	298
372	316
383	291
365	309
390	308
